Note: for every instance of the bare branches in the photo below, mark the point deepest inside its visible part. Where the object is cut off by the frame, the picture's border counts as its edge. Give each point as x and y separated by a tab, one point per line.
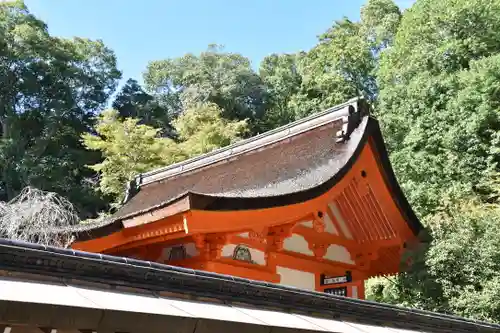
38	217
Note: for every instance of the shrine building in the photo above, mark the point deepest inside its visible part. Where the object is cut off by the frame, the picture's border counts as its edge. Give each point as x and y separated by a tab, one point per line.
313	205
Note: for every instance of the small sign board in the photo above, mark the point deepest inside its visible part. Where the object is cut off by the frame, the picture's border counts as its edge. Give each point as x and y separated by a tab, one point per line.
340	291
329	280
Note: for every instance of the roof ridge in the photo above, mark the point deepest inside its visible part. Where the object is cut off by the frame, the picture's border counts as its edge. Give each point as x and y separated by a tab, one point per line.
335	112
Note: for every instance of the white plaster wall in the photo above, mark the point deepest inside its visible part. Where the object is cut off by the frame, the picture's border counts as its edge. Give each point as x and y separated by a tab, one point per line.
258	256
297	243
338	253
354	292
308	224
295	278
340	220
191	250
329	226
228	250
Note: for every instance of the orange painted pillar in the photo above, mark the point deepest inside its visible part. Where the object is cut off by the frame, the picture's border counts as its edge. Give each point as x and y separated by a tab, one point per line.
361	289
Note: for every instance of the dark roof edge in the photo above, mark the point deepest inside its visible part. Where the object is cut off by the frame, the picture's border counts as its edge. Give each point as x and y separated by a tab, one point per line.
372	130
355	117
248	203
117	271
392	181
307	123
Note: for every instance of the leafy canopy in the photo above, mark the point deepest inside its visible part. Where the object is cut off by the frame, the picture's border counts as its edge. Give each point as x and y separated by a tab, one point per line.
439	102
130	148
440	110
224	79
133	102
50	89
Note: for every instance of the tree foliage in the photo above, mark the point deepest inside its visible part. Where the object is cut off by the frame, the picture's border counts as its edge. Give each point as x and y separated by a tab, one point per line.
439	99
225	79
50	88
282	76
458	272
379	23
201	129
130	148
439	107
342	65
133	102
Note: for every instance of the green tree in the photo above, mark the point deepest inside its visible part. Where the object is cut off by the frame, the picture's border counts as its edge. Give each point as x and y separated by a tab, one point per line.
202	128
439	102
344	63
281	75
225	79
130	148
458	272
335	70
440	111
379	23
133	102
50	89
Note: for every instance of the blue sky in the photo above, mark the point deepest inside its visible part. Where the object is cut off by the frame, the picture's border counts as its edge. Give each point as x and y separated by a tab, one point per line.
141	31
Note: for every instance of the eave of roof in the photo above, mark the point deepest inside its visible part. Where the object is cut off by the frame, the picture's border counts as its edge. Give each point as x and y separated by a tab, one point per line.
367	132
362	132
337	113
253	143
285	179
116	271
372	130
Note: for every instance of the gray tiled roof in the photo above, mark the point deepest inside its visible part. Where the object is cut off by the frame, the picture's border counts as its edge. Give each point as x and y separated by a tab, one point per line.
99	282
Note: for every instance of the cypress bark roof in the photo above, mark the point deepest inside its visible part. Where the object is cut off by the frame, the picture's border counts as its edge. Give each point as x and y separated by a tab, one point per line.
288	165
304	162
289	159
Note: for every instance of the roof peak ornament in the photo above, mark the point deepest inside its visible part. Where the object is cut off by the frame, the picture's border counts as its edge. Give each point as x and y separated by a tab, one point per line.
354	119
132	188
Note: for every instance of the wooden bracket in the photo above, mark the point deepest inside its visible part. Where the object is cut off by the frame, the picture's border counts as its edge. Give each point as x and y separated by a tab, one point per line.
319	223
276	236
215	243
318	249
259	235
201	245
